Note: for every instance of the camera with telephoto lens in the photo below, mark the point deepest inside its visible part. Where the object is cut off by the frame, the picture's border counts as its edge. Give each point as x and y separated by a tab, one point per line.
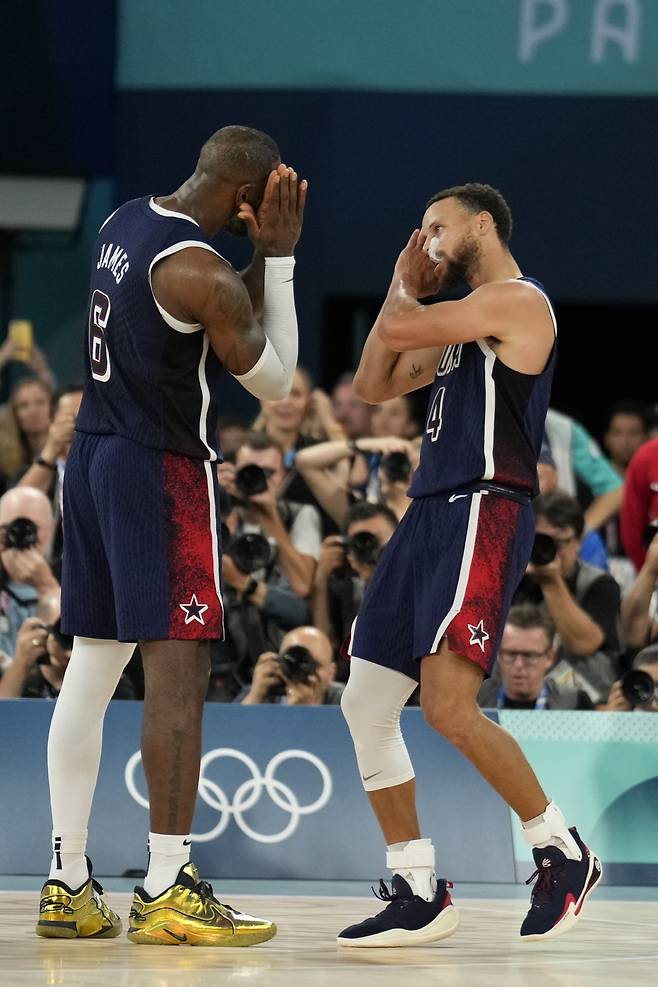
297	663
396	466
638	687
250	551
649	533
544	549
21	533
364	547
65	641
252	480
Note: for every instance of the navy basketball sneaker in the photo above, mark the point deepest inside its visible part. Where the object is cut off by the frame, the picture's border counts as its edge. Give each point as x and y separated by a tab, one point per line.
561	888
407	920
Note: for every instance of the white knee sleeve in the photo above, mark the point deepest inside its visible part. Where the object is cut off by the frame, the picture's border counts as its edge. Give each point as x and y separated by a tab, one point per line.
76	729
372	702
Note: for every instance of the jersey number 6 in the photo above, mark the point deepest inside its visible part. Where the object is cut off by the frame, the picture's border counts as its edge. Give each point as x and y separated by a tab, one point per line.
99	355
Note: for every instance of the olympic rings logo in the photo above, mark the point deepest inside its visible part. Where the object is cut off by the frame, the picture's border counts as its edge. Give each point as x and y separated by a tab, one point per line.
248	793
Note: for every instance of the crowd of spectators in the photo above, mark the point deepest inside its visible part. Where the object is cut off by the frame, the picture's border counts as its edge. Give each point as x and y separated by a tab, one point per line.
311	491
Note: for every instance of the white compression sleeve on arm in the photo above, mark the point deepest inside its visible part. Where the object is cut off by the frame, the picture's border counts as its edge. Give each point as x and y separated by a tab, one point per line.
271	377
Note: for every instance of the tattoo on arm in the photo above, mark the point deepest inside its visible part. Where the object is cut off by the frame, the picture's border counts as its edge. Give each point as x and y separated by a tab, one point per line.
415	371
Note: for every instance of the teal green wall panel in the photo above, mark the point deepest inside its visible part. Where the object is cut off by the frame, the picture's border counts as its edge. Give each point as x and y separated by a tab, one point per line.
494	46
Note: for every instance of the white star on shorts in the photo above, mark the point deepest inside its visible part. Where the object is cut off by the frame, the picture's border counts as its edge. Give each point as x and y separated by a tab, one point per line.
478	634
194	610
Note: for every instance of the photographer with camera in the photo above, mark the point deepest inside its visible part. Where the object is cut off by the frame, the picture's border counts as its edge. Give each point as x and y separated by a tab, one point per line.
301	674
292	530
346	566
42	657
382	465
28	587
637	689
582	599
525	657
270	547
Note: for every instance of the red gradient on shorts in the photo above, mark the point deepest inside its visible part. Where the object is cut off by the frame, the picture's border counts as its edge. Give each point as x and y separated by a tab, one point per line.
487	582
190	549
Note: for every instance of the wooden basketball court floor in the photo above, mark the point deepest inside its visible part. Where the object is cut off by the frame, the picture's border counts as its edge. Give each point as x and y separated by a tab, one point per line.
616	942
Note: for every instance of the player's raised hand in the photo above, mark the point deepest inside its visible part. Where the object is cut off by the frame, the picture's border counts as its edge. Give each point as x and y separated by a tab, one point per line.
419	274
275	229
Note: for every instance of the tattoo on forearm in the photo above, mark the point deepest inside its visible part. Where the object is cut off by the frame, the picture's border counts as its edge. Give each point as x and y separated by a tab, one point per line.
415	371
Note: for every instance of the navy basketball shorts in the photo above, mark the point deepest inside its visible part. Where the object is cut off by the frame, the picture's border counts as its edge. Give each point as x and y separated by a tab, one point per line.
449	571
141	543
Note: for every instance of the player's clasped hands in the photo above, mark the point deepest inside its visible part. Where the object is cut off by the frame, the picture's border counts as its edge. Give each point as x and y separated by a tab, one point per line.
275	229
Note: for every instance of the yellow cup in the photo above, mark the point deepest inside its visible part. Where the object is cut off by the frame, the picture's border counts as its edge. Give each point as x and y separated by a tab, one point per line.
20	330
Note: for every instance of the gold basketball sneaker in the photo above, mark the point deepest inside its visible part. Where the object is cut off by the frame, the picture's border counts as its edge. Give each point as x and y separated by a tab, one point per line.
82	914
188	912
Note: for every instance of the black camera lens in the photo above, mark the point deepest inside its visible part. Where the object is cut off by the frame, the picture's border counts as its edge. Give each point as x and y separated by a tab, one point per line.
364	547
297	663
649	533
544	549
21	533
638	687
252	479
396	466
65	641
250	552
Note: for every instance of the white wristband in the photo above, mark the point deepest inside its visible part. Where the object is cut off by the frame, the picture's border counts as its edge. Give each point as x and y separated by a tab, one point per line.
271	377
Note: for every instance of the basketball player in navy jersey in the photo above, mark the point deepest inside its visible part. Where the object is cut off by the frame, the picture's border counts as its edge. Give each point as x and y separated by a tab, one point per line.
436	608
141	547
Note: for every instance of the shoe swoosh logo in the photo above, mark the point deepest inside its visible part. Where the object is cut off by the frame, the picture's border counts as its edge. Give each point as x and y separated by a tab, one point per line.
187	842
173	934
368	777
456	497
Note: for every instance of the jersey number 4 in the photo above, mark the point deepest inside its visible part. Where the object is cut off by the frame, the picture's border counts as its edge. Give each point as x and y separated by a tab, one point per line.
435	416
99	314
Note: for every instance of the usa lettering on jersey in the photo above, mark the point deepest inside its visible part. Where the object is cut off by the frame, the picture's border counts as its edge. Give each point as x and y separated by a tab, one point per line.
115	259
450	359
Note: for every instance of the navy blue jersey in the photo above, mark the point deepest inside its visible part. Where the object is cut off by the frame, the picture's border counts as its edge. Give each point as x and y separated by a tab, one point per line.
485	421
149	377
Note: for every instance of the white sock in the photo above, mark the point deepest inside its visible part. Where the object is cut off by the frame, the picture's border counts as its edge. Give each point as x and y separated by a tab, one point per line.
414	861
69	864
74	747
550	829
167	854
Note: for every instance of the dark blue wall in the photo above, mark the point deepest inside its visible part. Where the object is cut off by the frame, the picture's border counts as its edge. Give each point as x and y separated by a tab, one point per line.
57	104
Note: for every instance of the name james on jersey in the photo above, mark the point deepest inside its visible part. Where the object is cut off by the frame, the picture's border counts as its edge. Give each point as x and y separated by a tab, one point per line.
115	259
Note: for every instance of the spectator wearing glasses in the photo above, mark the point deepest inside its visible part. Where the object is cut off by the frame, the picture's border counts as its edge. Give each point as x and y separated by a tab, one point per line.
527	653
582	600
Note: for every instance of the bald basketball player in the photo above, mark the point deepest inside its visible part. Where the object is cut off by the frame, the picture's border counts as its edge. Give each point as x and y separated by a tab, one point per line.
141	550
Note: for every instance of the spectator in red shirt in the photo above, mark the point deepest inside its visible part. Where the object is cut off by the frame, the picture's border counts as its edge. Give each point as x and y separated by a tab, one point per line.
640	503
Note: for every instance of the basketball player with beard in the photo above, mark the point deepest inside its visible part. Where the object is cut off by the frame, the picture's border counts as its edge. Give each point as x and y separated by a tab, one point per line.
436	607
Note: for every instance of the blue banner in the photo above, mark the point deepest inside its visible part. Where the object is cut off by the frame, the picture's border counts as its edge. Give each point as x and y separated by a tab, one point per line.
279	797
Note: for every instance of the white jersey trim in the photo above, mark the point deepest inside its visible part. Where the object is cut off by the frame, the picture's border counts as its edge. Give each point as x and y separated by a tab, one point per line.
548	302
213	534
109	218
489	409
465	570
161	211
205	399
172	321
